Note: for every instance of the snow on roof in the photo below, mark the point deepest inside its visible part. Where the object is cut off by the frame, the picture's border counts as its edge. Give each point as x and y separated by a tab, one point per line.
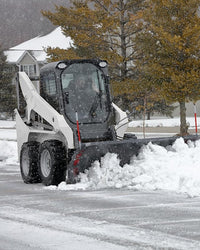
37	45
40	56
13	56
54	39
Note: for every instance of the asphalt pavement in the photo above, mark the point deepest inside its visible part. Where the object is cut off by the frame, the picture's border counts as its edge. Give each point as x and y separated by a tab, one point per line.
33	217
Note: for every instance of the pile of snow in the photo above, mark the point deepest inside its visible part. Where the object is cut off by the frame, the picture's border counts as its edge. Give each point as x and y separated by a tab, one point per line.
174	169
8	153
175	122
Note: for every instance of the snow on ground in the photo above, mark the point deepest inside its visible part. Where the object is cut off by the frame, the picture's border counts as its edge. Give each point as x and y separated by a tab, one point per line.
10	135
8	144
174	122
7	124
8	153
175	169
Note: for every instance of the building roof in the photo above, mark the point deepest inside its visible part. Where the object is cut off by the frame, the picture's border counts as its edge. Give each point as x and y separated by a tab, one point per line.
37	45
54	39
13	56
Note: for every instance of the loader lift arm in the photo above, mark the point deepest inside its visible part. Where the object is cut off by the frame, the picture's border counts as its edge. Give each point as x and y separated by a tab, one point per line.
34	102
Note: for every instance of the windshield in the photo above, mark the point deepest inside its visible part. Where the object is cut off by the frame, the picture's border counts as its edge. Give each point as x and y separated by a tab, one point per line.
83	86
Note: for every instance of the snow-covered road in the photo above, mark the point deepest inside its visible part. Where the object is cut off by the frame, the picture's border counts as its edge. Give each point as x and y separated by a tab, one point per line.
32	217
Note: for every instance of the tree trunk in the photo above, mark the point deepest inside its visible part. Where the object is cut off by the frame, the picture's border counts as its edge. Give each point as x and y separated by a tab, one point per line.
148	115
144	116
183	124
123	40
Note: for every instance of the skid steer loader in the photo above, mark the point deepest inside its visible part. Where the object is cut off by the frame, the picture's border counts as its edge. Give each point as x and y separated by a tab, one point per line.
67	120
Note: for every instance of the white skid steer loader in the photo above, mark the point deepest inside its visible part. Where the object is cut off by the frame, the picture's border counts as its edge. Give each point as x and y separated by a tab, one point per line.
70	122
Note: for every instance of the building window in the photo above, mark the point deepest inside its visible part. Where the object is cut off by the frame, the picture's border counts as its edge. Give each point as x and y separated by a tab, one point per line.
30	69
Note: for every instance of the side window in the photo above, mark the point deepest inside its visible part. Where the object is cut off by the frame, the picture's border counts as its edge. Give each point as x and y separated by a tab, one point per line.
21	103
98	80
66	79
48	90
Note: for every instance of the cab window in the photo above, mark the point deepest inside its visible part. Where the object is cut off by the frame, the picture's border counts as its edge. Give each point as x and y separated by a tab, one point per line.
48	89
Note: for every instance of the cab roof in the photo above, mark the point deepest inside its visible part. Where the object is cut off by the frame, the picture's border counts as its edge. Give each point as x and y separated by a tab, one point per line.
55	65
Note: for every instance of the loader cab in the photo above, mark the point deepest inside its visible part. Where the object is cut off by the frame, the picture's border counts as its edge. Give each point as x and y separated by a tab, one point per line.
79	89
84	89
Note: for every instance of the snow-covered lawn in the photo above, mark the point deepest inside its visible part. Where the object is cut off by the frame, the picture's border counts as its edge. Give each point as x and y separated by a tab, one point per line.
8	152
7	124
174	122
176	168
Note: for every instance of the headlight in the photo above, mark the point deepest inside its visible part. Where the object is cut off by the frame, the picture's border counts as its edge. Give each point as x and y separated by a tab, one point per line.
103	64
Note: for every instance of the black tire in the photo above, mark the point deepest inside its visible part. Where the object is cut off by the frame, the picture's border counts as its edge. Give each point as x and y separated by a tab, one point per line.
29	162
52	162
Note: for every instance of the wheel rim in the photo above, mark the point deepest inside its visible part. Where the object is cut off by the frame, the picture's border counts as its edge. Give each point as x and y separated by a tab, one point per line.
25	163
45	163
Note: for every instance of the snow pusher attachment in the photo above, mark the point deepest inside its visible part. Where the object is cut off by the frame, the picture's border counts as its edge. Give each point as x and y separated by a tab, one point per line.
67	121
125	149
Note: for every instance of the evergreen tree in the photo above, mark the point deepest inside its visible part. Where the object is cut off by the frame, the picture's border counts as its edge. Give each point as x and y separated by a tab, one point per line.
148	98
105	29
101	29
7	89
170	46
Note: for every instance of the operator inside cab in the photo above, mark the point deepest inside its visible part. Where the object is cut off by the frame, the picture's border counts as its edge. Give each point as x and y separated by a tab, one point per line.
84	87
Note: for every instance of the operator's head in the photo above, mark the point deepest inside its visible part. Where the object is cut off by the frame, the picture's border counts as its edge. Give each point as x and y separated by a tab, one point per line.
80	82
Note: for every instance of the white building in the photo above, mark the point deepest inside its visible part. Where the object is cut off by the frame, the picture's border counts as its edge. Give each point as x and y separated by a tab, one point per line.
30	56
